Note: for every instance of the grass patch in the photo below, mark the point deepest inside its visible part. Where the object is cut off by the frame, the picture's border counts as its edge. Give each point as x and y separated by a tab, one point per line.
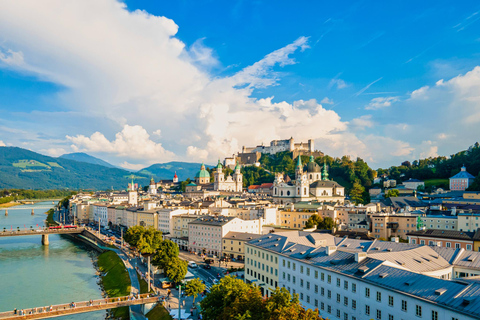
439	183
158	313
143	285
9	204
115	281
50	221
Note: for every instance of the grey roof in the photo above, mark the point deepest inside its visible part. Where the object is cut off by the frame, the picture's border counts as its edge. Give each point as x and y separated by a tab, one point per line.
242	236
402	202
212	220
325	184
450	234
413	180
463	175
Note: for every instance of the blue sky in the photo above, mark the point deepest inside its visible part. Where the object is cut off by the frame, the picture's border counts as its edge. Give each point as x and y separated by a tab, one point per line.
141	82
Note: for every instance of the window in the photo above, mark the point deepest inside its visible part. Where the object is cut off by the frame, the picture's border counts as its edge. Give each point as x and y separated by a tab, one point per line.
316	274
354	304
367	310
283	262
338	282
338	313
316	303
308	285
390	301
379	314
379	296
354	287
367	292
329	279
329	309
308	271
301	269
434	315
329	294
345	301
469	247
301	283
284	276
288	264
345	285
301	295
418	310
390	317
338	297
404	305
449	245
288	277
322	306
457	245
308	299
293	266
316	288
293	279
322	291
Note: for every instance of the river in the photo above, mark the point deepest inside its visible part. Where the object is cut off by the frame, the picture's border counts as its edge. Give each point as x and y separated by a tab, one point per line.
33	275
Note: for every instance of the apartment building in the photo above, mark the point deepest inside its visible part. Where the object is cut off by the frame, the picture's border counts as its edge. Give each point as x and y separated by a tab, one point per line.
468	221
440	222
165	218
205	234
180	229
393	225
100	214
360	279
234	244
443	238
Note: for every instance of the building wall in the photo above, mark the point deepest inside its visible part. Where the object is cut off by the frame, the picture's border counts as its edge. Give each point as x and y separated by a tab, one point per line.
441	242
380	229
261	269
468	222
440	223
294	219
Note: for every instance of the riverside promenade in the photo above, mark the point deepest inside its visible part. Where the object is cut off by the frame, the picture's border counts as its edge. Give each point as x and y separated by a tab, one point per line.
79	307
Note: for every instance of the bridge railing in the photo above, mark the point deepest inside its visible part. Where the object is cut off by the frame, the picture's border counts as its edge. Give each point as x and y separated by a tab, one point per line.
39	230
82	306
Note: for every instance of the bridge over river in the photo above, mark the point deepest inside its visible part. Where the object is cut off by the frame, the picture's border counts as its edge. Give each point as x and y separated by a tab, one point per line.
44	232
58	310
32	207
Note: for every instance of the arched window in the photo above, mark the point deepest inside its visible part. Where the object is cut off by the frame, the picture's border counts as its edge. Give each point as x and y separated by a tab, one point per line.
304	191
310	176
281	193
275	190
288	193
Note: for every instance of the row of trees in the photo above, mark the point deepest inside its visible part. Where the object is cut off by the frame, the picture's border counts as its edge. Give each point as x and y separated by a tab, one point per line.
321	223
8	195
164	253
231	298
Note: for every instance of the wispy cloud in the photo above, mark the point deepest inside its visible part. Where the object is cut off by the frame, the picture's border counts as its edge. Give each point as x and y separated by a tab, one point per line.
359	92
381	102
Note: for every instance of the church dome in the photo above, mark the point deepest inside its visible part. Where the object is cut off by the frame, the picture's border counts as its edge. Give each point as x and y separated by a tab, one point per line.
203	173
312	166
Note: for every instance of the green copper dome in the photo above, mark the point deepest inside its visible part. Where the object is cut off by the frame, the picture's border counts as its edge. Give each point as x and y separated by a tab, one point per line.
237	167
203	173
219	165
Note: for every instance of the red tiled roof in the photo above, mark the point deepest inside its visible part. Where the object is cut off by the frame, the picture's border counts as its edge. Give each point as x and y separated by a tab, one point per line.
266	185
253	187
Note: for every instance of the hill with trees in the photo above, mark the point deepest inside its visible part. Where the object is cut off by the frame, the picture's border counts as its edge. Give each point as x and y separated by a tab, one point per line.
167	170
83	157
24	169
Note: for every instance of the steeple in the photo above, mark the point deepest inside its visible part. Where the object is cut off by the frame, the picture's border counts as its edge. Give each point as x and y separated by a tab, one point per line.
311	159
299	162
325	172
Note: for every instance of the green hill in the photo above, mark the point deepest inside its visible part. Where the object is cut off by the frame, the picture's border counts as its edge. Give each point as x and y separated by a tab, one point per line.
167	170
24	169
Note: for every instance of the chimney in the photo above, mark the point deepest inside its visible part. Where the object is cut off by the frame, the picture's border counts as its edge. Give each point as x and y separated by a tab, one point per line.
331	250
360	256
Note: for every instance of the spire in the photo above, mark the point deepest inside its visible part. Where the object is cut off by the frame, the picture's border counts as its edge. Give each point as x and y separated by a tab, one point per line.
175	176
325	172
299	162
219	165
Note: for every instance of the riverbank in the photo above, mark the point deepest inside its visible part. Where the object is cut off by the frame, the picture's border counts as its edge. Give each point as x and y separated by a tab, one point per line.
9	204
115	281
50	221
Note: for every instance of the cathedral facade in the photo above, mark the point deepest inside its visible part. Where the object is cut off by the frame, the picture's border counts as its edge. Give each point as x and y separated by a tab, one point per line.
310	184
232	183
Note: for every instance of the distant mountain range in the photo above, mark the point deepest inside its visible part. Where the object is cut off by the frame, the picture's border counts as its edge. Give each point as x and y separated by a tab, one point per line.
24	169
83	157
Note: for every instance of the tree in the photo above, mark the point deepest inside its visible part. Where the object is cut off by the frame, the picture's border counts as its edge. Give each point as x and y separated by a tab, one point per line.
282	306
133	235
356	194
231	298
392	193
194	287
176	269
166	251
327	224
150	240
313	220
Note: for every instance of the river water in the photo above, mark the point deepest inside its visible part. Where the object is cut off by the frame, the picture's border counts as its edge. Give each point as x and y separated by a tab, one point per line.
33	275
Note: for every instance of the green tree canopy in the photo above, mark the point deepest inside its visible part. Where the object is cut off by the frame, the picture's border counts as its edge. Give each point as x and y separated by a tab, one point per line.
327	223
176	269
313	220
231	298
356	193
150	240
282	306
133	235
392	193
194	287
166	251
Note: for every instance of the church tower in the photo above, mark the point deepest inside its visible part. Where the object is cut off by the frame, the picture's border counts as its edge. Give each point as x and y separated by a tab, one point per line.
132	194
175	178
238	179
302	189
152	188
325	172
218	177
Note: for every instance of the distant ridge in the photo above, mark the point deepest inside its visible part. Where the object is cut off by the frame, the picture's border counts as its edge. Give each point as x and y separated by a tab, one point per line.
166	171
25	169
83	157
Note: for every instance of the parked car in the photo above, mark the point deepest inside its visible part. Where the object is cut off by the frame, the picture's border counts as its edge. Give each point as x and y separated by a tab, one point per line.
192	264
206	266
167	284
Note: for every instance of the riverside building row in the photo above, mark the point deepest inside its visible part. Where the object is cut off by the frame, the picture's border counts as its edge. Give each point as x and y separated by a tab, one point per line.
349	279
